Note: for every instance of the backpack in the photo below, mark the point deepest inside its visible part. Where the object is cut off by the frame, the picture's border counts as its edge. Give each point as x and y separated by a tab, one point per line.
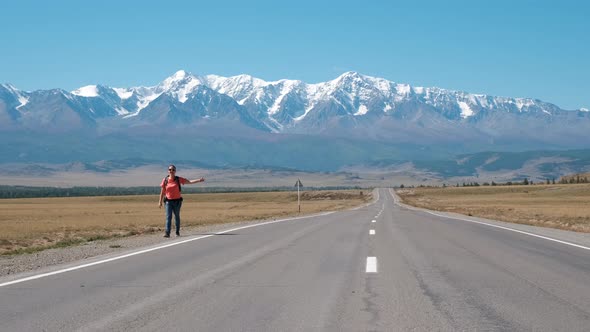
176	178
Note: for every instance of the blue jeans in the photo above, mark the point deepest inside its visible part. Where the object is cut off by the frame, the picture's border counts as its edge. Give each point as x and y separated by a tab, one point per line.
173	207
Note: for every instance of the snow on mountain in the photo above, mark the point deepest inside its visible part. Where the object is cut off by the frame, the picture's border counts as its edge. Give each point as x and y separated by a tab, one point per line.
238	87
345	104
362	110
285	103
123	93
179	85
273	103
288	104
247	120
145	99
23	101
21	96
465	110
86	91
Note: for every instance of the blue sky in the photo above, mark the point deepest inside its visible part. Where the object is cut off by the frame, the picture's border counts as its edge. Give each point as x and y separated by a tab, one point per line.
538	49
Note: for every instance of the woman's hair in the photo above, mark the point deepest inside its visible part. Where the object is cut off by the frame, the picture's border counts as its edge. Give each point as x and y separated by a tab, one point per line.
172	166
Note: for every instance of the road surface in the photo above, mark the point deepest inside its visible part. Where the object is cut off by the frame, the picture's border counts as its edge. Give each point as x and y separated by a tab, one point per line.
382	267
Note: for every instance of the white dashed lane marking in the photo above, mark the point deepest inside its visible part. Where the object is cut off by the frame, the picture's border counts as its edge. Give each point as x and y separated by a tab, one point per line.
371	265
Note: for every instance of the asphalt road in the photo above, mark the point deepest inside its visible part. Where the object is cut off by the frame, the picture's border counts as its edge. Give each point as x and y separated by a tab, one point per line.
430	274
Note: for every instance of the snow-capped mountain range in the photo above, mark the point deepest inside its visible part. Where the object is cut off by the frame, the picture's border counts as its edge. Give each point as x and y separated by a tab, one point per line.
278	106
352	107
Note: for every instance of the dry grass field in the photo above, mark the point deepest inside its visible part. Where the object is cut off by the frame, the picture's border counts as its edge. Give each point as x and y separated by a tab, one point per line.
34	224
557	206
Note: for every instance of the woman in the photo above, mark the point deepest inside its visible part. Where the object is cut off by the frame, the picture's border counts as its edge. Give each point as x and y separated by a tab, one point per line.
171	191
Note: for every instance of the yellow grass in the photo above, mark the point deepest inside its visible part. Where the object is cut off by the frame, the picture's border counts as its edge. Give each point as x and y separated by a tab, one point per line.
557	206
48	222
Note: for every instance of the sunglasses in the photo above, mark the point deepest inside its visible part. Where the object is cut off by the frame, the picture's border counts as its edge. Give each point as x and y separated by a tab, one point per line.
171	170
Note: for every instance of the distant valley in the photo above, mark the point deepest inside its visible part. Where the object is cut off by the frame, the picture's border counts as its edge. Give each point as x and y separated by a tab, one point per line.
500	167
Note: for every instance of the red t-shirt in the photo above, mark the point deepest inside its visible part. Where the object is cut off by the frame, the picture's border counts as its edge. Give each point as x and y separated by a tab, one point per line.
171	189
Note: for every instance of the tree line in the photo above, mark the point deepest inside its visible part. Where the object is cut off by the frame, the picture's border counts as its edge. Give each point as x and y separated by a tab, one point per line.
570	179
576	178
524	182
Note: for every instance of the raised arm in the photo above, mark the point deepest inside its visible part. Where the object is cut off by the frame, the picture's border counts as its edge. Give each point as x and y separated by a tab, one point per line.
195	181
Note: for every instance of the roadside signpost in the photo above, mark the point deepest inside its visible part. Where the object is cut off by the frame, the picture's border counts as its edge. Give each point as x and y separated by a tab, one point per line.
298	184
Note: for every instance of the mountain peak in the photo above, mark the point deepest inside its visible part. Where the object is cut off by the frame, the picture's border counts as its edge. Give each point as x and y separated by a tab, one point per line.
178	79
179	85
179	75
352	77
351	74
86	91
245	78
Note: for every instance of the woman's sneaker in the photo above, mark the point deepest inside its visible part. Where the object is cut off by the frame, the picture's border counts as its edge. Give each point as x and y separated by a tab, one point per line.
167	235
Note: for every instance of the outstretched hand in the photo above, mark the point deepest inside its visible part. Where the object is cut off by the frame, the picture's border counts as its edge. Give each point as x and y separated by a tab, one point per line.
197	180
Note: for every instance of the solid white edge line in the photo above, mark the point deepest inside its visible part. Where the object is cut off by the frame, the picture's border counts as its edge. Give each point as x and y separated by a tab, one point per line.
78	267
496	226
372	232
371	265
